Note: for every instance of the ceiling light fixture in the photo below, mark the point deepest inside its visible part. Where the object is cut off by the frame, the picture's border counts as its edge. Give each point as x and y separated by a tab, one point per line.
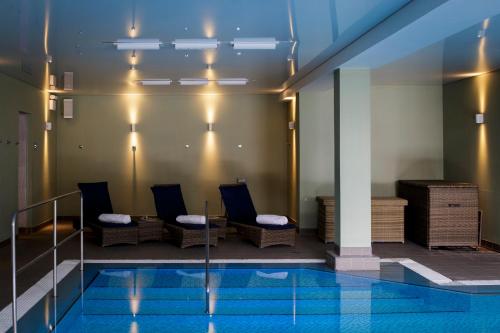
232	82
254	43
155	82
137	44
195	44
193	82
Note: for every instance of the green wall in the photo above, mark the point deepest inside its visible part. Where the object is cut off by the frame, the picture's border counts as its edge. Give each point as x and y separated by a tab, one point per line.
406	139
165	124
470	149
18	97
316	170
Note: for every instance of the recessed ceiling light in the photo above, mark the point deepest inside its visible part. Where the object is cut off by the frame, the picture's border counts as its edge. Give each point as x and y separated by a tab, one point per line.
232	82
193	82
137	44
254	43
195	44
238	53
187	146
240	146
155	82
238	29
186	55
186	28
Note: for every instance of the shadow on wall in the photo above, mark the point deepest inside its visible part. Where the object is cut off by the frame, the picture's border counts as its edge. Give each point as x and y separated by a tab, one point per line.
384	183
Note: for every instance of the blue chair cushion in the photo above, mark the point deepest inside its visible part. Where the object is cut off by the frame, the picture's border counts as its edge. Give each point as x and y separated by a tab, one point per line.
238	203
276	227
96	200
116	225
169	202
191	226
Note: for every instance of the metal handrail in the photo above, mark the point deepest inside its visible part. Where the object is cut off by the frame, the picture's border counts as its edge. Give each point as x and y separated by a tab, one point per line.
53	249
207	260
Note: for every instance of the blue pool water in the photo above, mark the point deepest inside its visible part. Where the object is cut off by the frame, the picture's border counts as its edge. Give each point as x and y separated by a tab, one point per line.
272	300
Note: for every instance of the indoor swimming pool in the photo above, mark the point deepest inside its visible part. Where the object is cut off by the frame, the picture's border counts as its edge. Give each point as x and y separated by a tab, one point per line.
247	299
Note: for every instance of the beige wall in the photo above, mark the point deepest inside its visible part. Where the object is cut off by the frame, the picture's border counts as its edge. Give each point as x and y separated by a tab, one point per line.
165	124
407	140
316	170
470	150
18	97
407	135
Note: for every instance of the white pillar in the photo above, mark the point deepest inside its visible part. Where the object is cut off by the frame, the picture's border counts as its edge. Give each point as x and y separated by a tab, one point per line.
352	90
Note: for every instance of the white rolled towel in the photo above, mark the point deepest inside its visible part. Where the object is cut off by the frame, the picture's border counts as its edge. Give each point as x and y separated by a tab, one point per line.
191	219
115	218
272	219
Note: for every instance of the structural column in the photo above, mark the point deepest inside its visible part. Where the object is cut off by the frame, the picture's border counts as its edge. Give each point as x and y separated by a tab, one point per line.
352	100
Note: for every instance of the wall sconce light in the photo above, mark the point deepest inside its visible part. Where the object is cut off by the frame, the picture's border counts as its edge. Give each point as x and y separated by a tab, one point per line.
479	118
133	128
52	102
52	82
134	148
187	146
291	125
48	126
240	146
210	127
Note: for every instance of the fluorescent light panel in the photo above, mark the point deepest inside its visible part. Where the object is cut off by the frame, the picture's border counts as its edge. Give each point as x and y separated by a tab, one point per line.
232	82
193	82
155	82
137	44
195	44
254	43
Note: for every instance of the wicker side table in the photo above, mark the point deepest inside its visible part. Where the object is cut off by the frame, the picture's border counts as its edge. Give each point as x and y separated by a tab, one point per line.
221	222
150	228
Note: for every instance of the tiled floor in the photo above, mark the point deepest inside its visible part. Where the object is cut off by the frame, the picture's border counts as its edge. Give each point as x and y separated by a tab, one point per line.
457	264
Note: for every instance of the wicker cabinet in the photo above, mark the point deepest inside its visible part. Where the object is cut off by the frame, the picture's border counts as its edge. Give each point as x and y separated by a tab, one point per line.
387	219
441	213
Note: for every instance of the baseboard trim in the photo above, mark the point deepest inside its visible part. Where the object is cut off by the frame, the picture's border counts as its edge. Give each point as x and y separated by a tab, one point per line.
5	242
38	227
490	245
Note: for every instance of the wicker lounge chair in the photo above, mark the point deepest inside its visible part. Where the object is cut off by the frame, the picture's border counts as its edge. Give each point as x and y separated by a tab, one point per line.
96	201
241	213
170	204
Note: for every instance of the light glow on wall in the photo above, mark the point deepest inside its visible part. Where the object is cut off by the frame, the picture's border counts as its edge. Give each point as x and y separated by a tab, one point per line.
45	181
482	86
